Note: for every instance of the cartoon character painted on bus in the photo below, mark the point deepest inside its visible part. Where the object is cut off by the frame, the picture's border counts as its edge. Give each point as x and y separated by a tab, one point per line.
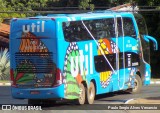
73	61
31	44
106	47
110	47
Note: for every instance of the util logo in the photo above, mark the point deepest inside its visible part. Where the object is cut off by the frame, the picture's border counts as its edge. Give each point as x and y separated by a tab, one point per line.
83	63
34	27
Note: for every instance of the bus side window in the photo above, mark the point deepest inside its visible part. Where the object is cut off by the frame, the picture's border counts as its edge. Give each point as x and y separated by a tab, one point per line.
111	27
75	32
99	28
66	29
105	28
128	26
119	26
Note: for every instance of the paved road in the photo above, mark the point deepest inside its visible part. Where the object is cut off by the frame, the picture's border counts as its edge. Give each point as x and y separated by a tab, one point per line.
115	98
147	91
111	98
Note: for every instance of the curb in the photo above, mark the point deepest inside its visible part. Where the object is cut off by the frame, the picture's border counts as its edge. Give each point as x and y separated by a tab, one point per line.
143	101
155	81
131	101
5	84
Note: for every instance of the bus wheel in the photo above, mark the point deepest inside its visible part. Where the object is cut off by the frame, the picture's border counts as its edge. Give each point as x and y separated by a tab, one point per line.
82	96
137	85
90	94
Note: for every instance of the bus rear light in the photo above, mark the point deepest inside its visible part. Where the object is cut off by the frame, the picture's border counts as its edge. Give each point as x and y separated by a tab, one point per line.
53	19
11	75
58	78
13	83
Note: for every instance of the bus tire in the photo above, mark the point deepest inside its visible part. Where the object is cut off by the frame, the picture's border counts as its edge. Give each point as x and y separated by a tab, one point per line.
90	93
82	96
138	85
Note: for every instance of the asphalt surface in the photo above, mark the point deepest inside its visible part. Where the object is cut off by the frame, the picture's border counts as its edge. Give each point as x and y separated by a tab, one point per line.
108	98
100	104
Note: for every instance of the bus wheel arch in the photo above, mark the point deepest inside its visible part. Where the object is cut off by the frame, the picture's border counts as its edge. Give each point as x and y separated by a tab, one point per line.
139	74
91	92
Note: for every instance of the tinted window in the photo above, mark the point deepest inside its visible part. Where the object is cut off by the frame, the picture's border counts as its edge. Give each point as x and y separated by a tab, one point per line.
119	26
103	28
100	28
141	24
128	27
75	31
146	49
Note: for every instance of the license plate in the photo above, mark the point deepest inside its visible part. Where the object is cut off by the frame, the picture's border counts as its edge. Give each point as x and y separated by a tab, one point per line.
34	92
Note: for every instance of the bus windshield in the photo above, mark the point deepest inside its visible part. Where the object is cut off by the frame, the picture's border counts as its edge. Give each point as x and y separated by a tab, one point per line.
141	24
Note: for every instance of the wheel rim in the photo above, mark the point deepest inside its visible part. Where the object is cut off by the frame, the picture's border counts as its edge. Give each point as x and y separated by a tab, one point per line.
91	93
135	85
81	97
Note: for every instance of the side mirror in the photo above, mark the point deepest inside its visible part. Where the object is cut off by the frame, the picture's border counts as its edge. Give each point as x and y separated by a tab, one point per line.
155	44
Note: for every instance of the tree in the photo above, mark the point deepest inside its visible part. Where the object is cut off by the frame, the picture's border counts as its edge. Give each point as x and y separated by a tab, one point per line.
84	4
152	18
3	8
27	5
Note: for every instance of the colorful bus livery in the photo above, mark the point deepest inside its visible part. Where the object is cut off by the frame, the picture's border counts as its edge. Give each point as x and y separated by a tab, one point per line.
77	56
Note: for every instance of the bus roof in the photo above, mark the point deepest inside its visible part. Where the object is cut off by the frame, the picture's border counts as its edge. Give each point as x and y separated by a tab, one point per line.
80	15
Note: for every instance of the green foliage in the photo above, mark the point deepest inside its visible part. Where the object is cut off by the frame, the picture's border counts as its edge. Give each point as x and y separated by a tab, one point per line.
3	8
10	6
20	5
4	64
84	4
152	18
27	5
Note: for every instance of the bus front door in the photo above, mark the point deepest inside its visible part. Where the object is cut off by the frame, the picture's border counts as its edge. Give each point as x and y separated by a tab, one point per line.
120	55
